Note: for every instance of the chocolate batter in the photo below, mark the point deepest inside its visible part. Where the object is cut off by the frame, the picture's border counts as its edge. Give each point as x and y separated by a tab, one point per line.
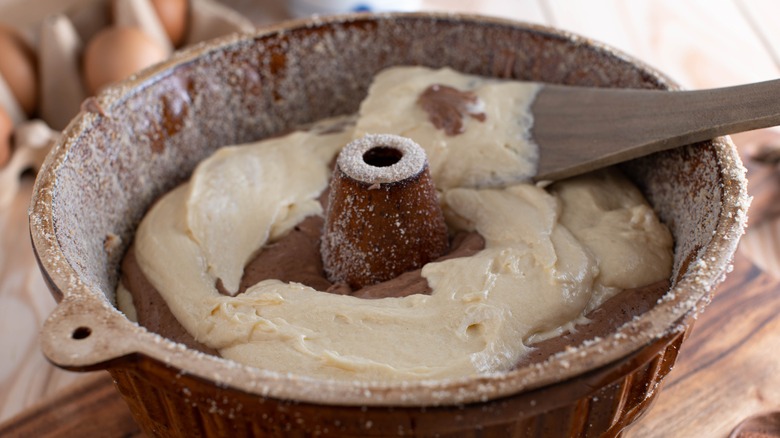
293	258
447	107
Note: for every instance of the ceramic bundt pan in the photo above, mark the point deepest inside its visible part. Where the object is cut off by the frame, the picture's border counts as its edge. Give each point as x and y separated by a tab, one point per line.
139	139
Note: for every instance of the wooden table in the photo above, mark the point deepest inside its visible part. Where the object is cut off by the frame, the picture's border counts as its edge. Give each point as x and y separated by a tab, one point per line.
728	369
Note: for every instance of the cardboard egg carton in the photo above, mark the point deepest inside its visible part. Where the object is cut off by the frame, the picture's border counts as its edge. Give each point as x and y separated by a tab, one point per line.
58	42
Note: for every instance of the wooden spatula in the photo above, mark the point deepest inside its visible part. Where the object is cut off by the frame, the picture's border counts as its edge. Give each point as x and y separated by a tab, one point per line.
582	129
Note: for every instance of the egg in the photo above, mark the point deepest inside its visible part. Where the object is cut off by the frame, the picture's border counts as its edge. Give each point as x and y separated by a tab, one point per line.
174	16
19	69
6	128
117	52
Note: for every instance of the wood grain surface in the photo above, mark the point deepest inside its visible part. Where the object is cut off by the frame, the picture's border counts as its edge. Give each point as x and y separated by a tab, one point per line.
727	370
90	407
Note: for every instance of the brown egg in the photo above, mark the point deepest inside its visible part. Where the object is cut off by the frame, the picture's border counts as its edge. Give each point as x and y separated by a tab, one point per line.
174	16
19	69
117	52
6	128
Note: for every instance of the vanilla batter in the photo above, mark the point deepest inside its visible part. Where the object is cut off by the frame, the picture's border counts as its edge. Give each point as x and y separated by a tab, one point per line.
549	258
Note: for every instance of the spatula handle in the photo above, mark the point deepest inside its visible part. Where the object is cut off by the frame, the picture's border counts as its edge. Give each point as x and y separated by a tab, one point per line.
581	129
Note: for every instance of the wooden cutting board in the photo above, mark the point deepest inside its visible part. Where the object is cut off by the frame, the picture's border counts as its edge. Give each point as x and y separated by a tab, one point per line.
90	408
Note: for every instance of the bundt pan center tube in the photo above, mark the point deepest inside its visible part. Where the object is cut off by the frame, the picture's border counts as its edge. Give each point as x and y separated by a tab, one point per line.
383	216
142	137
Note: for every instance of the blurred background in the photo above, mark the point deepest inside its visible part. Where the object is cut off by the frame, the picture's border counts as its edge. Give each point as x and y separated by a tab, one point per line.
699	43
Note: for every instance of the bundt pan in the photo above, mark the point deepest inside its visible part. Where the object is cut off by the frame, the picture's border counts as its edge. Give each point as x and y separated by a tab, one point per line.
140	138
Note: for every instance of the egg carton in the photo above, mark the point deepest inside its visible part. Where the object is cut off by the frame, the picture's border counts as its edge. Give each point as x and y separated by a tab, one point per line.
58	41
